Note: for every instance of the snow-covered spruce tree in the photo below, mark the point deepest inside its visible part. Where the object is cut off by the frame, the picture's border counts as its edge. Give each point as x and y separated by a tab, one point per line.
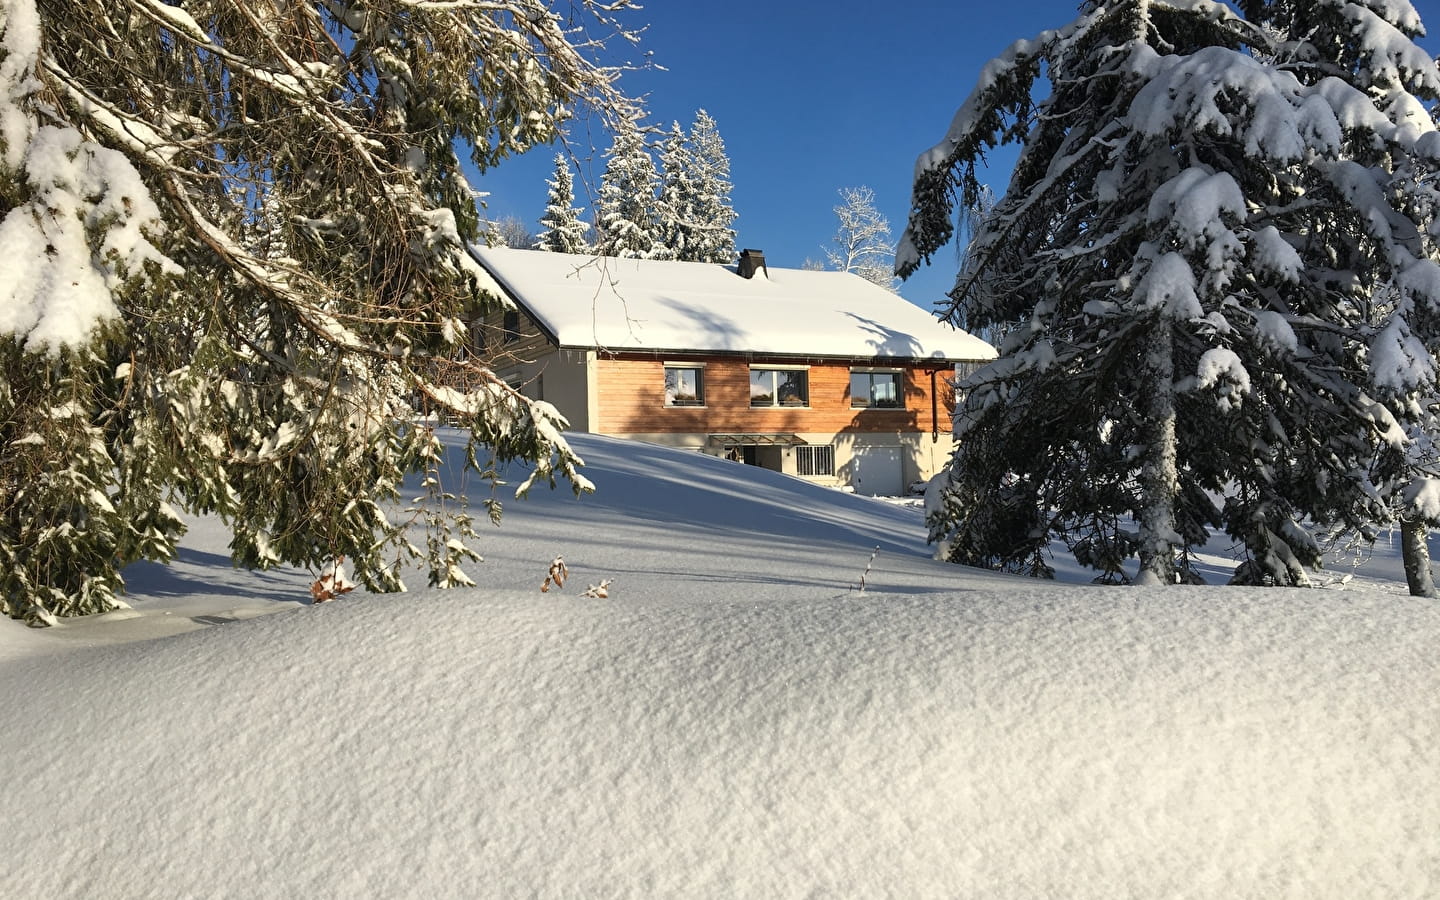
694	207
625	214
234	241
673	207
1186	267
1371	50
561	228
862	242
1416	495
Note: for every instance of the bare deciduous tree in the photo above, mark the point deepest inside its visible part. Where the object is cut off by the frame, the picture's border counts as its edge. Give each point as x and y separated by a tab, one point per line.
862	242
510	231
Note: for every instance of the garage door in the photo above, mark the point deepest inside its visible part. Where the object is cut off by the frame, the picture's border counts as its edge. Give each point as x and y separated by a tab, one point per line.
878	472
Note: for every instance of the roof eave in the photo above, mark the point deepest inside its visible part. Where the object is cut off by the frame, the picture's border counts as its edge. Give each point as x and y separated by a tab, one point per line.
514	297
775	354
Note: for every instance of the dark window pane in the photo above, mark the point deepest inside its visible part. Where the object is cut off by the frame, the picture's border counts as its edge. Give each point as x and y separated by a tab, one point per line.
885	390
794	388
859	389
762	387
880	390
779	387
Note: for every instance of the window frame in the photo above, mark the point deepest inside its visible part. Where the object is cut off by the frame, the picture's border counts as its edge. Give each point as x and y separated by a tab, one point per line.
805	455
898	376
698	369
775	371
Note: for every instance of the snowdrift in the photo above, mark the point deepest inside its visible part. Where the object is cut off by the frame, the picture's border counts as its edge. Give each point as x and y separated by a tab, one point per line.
737	726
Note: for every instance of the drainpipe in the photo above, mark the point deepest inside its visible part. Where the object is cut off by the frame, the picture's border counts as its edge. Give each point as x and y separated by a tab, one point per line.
934	409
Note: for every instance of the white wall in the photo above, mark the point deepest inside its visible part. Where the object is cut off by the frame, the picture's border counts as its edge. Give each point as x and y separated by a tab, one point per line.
558	377
920	457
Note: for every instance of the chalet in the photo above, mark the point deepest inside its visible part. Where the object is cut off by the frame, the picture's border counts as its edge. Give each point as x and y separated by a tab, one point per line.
821	375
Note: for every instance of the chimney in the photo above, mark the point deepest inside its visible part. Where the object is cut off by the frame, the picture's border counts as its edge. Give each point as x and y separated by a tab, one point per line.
752	261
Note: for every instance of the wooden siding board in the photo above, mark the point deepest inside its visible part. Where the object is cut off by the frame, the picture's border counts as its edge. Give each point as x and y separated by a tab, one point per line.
632	401
488	336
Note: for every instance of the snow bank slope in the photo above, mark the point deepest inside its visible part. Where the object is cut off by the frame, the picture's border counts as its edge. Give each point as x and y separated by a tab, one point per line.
1027	742
664	523
693	498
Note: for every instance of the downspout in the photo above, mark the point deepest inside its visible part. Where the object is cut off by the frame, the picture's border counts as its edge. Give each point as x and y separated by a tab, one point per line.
934	409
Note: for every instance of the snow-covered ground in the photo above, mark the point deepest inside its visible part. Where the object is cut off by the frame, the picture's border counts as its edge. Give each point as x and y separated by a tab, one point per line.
736	720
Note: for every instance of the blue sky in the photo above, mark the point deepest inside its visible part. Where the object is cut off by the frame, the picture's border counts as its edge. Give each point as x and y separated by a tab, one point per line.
810	97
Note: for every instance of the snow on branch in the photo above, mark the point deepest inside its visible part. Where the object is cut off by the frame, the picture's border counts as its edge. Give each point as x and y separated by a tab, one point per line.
1003	87
83	233
262	208
1392	59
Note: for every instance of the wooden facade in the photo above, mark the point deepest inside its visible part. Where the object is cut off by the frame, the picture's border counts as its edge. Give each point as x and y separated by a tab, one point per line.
631	399
505	338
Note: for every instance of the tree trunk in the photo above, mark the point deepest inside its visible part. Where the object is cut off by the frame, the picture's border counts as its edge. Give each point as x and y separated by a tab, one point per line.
1415	551
1159	478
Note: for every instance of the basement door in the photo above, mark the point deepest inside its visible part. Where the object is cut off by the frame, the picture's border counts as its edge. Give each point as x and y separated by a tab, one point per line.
878	472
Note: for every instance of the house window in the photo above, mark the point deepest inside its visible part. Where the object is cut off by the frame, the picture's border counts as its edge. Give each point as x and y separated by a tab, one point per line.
684	386
871	389
815	459
969	367
779	387
511	326
963	370
534	388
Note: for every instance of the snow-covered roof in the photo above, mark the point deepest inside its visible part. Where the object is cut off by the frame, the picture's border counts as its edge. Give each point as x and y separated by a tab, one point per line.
633	304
